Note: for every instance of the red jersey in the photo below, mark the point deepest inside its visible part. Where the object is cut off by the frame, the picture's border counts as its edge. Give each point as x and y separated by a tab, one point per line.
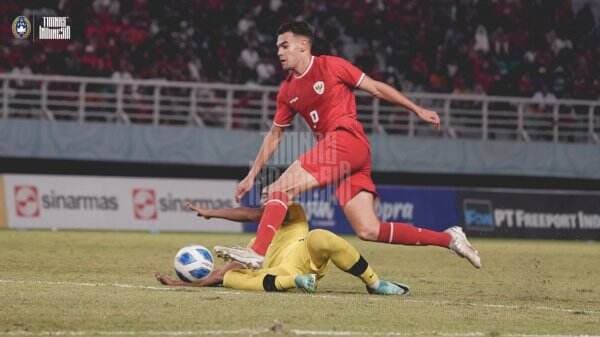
322	95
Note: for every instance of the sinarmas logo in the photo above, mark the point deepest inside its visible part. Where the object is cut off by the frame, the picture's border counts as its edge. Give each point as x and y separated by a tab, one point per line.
21	27
144	204
27	203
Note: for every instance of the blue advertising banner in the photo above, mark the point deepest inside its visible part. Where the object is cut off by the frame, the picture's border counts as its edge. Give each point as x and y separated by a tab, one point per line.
433	208
531	213
481	212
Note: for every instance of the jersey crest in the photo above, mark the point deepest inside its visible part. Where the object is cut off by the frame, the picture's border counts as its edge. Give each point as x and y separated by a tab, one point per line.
319	87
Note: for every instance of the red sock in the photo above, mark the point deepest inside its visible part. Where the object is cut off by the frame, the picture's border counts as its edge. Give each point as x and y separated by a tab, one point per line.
407	234
272	217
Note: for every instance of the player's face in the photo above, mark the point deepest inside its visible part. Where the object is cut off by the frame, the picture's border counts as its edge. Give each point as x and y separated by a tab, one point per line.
290	48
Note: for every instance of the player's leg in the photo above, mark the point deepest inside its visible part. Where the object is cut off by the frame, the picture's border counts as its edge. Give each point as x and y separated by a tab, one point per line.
293	181
360	212
272	279
332	158
335	156
323	246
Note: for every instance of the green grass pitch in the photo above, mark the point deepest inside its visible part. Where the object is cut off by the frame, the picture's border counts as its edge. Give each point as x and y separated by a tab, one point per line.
101	284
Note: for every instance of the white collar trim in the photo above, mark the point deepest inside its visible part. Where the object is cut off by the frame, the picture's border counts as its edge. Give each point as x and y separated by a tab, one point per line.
312	59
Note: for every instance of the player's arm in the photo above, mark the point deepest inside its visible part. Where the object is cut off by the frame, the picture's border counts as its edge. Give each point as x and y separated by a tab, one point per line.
240	214
213	279
386	92
269	145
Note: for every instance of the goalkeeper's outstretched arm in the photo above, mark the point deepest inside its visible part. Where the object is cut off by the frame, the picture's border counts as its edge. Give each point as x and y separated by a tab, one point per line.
240	214
213	279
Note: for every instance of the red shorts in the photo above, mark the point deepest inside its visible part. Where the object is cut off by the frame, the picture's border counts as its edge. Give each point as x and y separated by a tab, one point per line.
342	157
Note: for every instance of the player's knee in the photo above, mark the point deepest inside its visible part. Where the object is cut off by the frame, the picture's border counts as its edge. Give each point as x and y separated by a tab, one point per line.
368	233
318	235
317	239
279	194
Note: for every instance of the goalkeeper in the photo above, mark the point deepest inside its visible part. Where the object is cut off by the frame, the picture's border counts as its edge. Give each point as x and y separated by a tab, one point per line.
296	258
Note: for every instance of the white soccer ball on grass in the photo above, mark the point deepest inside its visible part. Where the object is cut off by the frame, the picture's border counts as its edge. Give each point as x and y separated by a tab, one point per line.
193	263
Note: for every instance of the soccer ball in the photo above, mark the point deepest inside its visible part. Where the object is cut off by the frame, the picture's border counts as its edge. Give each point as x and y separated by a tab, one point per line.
193	263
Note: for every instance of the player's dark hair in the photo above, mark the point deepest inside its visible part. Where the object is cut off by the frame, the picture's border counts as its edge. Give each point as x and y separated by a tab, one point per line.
301	28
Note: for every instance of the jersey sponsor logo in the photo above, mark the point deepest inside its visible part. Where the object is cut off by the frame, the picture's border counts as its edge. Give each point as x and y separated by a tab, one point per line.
27	202
294	100
144	204
319	87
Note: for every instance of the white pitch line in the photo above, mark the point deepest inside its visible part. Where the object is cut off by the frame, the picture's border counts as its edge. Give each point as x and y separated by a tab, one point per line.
506	306
529	335
326	296
117	285
250	332
86	284
244	332
391	333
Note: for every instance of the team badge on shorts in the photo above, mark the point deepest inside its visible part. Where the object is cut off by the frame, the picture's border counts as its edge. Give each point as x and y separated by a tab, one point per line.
319	87
21	27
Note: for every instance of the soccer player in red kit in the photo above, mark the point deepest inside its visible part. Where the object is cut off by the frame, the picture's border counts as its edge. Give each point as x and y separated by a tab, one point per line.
319	88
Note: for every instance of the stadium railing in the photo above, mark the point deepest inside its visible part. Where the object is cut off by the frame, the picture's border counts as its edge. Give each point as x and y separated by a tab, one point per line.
251	107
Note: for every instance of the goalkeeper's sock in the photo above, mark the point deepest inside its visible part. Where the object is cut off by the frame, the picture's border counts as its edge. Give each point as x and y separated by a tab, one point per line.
285	282
272	282
407	234
363	271
271	220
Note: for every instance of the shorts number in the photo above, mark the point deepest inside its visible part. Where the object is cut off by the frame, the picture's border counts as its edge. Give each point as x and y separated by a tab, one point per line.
314	116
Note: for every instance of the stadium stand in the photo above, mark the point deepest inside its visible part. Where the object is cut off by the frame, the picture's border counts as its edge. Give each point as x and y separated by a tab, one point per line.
541	55
505	47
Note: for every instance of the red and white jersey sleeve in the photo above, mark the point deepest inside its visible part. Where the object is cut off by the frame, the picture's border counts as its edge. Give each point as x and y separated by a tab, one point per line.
345	71
284	114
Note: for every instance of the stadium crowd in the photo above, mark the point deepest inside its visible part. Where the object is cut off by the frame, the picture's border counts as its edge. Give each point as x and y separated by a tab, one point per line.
543	48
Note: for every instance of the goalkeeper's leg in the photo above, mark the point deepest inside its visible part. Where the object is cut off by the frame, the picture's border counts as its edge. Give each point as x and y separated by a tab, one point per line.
323	246
272	279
